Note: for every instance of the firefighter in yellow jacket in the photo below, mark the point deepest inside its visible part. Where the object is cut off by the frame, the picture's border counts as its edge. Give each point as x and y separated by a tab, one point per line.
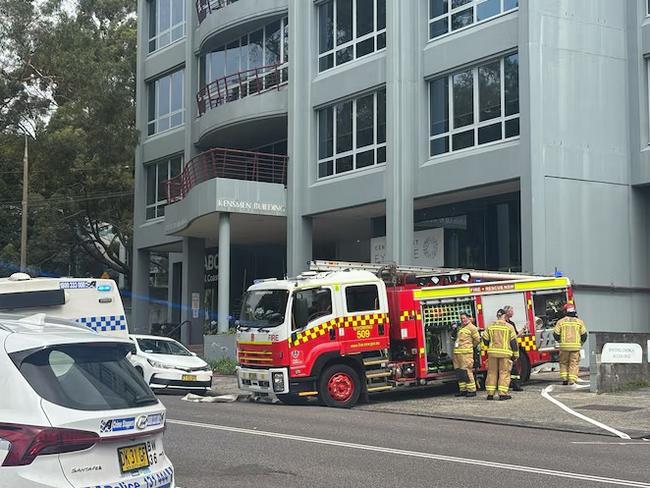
467	338
500	339
571	333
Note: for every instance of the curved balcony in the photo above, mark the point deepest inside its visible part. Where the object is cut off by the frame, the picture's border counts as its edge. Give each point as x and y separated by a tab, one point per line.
206	7
240	85
231	164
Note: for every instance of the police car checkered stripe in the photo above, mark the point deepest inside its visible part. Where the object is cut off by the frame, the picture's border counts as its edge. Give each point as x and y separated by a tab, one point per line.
103	323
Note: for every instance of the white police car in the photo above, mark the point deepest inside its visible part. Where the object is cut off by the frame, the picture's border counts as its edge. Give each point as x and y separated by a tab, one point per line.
165	363
74	412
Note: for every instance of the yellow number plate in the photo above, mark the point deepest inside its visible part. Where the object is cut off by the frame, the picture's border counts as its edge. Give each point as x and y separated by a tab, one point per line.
189	377
133	457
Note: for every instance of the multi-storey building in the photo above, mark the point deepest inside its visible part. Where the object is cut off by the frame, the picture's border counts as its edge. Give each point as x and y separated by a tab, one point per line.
494	134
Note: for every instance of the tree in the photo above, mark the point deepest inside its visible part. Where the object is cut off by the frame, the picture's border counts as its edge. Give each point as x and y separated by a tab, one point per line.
76	63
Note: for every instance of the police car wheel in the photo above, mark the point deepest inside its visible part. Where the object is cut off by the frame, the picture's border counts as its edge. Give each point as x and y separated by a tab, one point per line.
292	399
340	386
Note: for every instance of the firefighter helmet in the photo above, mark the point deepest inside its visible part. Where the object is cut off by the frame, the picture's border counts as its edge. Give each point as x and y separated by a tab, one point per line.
569	307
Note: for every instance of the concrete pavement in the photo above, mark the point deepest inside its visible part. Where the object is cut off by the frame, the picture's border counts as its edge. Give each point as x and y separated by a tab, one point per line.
628	412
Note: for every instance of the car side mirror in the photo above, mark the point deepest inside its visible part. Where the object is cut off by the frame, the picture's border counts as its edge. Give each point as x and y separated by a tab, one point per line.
193	354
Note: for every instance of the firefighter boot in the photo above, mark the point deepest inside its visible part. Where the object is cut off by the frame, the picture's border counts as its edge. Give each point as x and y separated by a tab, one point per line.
461	393
490	397
471	394
565	382
504	397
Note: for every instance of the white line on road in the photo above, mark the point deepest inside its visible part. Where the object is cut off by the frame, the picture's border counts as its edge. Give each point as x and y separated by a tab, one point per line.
416	454
546	393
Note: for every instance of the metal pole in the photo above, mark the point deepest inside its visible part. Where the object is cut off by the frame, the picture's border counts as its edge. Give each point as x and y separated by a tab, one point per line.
223	276
23	223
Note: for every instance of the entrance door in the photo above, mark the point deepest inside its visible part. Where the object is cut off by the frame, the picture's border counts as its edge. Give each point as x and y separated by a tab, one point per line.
492	303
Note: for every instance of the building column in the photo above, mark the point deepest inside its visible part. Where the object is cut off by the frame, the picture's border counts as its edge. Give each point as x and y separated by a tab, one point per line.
140	293
193	290
223	290
300	130
403	104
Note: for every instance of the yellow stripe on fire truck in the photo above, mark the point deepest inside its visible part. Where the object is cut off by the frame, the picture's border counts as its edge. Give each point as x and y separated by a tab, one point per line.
340	322
410	315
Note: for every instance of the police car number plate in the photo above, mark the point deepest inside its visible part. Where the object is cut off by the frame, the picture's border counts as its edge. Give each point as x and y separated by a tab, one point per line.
133	457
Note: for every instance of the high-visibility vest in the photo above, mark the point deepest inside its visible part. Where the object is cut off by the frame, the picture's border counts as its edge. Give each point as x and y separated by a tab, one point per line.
499	336
570	330
466	339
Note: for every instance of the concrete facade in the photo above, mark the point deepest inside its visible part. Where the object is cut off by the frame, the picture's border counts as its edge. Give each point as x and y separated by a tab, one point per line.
577	176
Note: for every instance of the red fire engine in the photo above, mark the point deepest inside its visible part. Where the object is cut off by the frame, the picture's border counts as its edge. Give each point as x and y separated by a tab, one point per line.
344	330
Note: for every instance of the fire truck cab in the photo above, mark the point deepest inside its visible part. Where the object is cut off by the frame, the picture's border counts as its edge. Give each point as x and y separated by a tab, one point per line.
344	330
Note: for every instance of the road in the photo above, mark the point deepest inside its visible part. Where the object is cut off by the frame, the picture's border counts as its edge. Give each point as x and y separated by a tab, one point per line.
246	444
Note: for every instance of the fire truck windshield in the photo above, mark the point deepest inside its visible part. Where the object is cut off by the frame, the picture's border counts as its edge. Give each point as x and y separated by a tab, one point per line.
263	308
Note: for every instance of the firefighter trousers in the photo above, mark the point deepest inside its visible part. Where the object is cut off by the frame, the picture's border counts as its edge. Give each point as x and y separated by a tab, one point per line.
498	375
569	366
466	363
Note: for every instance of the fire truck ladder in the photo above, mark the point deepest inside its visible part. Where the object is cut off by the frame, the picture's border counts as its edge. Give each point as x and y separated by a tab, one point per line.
377	371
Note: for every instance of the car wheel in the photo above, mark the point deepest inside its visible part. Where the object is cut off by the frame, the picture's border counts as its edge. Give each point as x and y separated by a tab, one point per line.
340	386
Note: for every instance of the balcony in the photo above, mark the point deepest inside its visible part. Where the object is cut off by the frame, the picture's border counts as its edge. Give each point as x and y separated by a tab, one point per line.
240	85
231	164
206	7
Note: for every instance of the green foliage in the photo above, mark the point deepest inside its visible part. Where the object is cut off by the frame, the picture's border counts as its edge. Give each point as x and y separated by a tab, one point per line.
80	66
223	365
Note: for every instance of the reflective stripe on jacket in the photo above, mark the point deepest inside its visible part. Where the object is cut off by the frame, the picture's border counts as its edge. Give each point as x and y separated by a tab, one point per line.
570	330
501	340
467	339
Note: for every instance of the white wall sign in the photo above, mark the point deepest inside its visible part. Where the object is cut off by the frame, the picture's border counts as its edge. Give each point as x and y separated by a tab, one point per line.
428	248
614	352
196	305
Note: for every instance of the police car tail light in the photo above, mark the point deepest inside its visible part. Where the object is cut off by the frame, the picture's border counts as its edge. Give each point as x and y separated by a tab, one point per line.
28	441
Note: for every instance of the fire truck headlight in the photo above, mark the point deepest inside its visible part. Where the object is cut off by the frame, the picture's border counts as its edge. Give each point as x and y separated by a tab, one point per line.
278	382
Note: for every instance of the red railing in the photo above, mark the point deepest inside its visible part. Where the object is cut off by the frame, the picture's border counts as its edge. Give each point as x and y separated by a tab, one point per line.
233	164
205	7
240	85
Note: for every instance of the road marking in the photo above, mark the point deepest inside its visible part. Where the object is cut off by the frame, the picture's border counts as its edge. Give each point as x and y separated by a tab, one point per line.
416	454
644	442
546	393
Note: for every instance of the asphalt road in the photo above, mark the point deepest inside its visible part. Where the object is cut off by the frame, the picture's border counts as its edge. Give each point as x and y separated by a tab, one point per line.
246	444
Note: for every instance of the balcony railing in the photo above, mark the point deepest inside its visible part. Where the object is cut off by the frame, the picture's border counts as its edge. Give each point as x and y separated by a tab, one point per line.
241	85
205	7
227	163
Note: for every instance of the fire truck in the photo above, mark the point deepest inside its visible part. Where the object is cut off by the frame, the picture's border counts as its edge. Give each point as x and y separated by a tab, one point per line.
344	330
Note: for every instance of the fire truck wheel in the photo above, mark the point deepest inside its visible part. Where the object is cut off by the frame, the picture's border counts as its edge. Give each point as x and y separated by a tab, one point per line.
523	366
340	386
291	399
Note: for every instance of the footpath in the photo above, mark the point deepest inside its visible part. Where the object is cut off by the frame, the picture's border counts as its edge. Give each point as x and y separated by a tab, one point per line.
628	412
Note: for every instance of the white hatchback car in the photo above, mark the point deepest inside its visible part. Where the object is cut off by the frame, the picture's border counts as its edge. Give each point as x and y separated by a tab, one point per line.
74	412
166	363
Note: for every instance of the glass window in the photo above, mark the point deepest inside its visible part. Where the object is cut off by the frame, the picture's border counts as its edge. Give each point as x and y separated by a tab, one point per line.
309	306
157	175
263	308
450	15
162	346
166	22
363	298
166	102
352	134
349	29
482	102
90	377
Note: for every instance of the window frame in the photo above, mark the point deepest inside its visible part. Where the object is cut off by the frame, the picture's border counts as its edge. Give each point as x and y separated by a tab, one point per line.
284	54
354	41
319	318
361	285
155	86
375	146
473	4
172	27
476	107
159	204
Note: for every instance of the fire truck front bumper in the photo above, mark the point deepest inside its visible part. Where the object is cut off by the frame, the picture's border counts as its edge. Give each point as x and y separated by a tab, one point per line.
270	381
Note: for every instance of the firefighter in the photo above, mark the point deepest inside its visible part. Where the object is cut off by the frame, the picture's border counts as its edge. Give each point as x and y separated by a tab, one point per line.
571	333
501	340
515	377
467	338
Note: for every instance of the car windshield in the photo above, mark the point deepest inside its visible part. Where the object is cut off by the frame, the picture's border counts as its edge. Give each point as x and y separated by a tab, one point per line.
160	346
90	376
264	308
